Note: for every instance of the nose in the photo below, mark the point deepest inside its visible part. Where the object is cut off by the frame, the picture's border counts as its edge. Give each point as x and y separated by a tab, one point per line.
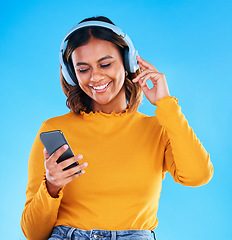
96	75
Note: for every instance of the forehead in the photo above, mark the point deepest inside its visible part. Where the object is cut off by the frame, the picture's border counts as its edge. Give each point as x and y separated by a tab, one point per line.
94	50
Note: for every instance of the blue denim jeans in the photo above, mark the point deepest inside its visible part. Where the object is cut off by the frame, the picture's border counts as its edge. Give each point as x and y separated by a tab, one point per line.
68	233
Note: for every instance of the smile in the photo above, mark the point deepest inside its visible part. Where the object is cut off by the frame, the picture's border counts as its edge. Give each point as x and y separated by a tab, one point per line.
101	88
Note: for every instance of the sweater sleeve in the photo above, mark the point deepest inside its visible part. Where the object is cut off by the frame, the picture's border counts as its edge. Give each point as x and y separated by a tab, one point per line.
185	157
40	212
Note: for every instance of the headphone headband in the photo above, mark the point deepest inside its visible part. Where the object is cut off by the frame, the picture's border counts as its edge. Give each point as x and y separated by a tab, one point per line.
130	56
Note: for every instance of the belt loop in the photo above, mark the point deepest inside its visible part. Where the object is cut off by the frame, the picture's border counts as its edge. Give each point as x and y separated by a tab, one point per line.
113	235
70	232
153	234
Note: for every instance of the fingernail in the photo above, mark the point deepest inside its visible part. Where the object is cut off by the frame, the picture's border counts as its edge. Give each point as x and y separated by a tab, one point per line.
80	156
85	164
82	171
65	146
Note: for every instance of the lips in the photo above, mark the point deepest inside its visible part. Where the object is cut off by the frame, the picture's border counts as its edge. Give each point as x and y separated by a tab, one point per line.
101	88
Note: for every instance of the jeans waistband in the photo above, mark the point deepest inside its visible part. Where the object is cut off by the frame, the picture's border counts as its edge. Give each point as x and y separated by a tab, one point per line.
69	233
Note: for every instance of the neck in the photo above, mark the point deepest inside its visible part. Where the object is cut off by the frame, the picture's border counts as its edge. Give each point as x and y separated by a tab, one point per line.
110	109
116	105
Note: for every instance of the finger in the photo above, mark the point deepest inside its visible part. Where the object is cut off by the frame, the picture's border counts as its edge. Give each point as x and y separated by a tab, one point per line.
55	156
72	177
58	177
142	74
64	177
74	170
46	154
142	61
144	80
144	87
62	165
146	64
154	77
142	68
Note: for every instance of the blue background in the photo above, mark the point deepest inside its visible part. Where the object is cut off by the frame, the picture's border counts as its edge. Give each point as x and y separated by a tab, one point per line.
188	41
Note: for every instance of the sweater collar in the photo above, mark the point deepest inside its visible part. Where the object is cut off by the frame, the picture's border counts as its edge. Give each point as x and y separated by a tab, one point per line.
100	113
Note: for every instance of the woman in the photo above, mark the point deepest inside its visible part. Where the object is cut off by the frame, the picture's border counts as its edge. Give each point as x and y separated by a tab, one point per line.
127	153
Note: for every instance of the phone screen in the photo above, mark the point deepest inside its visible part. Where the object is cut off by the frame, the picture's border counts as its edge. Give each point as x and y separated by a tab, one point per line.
52	141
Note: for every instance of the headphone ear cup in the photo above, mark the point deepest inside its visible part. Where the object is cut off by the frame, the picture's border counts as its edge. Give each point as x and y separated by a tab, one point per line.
130	60
68	74
126	59
71	73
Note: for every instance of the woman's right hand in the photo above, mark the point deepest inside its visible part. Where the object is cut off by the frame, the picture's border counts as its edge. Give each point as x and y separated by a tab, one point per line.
56	177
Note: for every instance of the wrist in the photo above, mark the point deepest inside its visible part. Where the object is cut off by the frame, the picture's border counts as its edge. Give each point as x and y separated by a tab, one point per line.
164	96
52	190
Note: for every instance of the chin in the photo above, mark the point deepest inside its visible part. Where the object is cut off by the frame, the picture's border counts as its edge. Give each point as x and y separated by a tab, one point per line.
102	102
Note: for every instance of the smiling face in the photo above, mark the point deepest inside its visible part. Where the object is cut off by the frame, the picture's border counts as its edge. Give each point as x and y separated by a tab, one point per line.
100	72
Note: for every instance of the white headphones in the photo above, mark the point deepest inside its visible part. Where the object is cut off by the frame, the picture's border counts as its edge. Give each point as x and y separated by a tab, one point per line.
129	58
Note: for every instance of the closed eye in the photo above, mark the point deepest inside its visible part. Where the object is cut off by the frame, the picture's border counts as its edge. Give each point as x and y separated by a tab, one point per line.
105	65
86	69
83	70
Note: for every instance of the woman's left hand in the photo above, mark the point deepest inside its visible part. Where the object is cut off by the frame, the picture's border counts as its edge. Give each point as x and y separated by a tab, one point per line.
160	86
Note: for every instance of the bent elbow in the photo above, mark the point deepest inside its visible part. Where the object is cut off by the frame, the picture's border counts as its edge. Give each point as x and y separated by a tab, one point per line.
23	226
199	178
205	176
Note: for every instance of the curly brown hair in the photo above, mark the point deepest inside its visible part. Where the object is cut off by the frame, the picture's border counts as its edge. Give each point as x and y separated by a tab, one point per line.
77	99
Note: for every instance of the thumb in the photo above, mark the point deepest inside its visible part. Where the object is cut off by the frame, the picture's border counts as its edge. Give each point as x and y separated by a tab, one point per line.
46	154
144	87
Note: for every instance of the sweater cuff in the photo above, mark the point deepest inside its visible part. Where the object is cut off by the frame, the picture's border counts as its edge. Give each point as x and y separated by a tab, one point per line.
45	190
166	100
168	113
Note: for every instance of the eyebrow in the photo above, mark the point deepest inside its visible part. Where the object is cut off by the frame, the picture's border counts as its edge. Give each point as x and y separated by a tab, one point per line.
99	60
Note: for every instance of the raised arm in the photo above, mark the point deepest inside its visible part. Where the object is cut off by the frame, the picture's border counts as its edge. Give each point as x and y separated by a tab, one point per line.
185	157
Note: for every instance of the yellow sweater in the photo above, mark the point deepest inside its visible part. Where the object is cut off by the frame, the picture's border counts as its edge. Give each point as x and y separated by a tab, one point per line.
128	155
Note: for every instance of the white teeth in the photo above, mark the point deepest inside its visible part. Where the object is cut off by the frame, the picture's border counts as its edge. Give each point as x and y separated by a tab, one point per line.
101	87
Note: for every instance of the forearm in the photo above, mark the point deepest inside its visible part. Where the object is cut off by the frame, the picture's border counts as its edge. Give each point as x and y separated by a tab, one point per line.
191	164
40	214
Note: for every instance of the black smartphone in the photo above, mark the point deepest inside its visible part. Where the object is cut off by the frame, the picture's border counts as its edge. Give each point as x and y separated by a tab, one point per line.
52	141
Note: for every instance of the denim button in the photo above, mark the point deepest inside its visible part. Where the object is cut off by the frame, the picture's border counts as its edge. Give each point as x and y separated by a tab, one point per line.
97	236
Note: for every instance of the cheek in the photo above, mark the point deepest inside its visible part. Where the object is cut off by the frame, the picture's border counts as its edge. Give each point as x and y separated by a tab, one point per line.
120	76
117	73
82	79
83	85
